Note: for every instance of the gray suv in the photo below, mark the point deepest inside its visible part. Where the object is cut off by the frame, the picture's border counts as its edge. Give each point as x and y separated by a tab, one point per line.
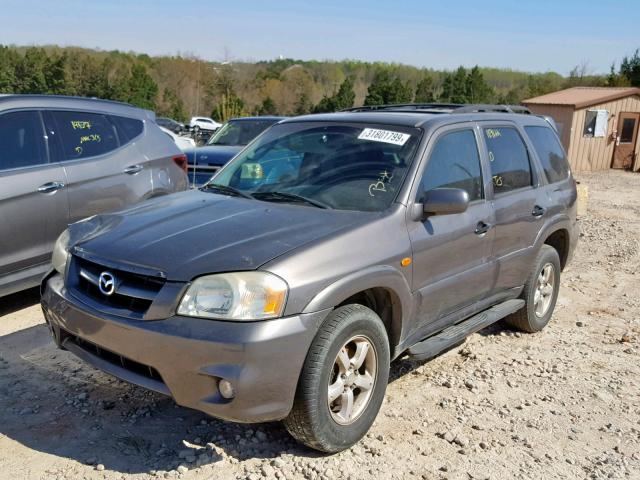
331	245
63	159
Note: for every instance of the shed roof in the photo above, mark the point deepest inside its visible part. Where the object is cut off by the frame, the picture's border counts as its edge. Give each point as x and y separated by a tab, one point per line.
580	97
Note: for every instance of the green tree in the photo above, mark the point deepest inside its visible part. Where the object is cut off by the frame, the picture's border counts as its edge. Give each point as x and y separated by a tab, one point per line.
303	105
268	107
385	90
343	98
55	75
228	107
476	88
454	87
425	90
630	68
143	90
8	60
29	72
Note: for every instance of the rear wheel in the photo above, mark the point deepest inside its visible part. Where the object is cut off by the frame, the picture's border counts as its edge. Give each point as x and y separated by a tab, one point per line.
540	292
343	381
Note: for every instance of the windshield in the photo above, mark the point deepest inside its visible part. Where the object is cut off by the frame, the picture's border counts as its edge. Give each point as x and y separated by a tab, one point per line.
342	166
239	132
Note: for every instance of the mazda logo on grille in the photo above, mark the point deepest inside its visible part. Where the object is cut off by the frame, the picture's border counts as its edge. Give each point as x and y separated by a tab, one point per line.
107	283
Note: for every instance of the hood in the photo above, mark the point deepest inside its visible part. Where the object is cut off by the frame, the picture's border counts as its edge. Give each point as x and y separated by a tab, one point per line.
192	233
213	155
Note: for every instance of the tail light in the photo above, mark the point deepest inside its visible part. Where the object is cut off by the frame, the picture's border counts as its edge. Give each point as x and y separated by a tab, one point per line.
182	162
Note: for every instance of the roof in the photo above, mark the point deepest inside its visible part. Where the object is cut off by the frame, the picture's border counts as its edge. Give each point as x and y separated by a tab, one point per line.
580	97
416	118
69	102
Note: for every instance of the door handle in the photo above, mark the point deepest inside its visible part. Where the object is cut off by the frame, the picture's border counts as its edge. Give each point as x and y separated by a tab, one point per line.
482	228
50	187
132	169
538	211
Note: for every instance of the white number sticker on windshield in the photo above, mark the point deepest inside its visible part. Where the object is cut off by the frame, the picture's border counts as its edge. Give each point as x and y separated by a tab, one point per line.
385	136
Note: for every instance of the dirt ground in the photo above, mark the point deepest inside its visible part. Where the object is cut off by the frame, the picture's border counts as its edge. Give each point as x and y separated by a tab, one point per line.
564	403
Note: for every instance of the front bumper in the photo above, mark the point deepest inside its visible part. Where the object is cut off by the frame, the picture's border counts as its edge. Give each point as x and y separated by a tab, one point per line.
186	357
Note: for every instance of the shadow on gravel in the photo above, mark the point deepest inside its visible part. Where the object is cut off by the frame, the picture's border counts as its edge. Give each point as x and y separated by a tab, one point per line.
53	403
406	365
17	301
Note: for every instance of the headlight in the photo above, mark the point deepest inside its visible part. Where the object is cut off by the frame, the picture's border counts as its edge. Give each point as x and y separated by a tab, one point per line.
61	252
235	296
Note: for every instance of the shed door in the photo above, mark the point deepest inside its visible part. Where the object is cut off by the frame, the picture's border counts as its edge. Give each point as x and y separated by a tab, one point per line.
624	153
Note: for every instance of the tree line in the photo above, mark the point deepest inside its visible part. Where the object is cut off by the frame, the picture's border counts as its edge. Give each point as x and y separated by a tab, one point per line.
184	86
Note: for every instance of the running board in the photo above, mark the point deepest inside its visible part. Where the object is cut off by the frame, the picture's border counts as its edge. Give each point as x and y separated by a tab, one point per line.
455	334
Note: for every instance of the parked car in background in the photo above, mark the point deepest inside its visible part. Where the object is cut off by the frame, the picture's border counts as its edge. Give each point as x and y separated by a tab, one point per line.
331	245
63	159
203	123
183	143
223	145
171	124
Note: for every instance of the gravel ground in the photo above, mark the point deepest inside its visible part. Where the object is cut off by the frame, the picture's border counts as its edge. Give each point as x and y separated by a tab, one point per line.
564	403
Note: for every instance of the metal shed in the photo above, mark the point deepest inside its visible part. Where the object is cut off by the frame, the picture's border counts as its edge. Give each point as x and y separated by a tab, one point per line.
598	126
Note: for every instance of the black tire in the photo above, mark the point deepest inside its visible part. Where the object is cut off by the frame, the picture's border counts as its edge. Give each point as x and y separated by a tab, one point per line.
526	318
310	421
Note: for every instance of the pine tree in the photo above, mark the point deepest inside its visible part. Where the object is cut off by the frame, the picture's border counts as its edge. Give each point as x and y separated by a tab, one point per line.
143	90
268	107
343	98
630	68
384	90
29	72
8	61
425	91
476	88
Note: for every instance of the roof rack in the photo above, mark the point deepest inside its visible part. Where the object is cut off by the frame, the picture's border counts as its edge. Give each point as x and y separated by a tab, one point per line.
442	108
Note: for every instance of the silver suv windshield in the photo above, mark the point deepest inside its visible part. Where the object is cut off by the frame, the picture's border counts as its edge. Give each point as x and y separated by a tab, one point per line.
328	165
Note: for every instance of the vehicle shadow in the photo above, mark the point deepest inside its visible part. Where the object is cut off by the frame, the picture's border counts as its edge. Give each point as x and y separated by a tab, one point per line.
406	365
52	402
17	301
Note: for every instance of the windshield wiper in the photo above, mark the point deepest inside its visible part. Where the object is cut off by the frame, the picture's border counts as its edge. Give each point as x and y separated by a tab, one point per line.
289	197
226	189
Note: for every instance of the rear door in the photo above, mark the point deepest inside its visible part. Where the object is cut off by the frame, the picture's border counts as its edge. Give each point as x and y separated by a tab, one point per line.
34	207
519	204
104	169
452	265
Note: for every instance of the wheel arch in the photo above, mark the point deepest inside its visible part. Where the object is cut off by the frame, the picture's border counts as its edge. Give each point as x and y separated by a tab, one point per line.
383	289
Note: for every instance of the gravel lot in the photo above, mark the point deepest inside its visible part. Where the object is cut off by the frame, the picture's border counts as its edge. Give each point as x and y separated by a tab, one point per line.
561	404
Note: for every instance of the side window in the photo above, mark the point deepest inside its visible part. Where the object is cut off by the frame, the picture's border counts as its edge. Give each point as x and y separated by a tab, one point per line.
128	128
21	140
508	159
455	163
84	134
549	152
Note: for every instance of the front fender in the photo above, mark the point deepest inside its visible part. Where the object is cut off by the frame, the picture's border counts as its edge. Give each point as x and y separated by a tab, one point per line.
381	276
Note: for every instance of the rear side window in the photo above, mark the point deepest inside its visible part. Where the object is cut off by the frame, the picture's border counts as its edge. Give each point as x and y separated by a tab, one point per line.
21	140
128	128
508	159
549	152
84	134
455	163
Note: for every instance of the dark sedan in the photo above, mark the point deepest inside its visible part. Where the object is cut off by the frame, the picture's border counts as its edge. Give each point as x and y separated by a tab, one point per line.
223	145
170	124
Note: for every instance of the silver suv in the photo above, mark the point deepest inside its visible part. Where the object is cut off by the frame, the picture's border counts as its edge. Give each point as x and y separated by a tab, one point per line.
63	159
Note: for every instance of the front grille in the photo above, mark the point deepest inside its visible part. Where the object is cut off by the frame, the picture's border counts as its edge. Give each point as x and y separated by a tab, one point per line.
111	357
133	292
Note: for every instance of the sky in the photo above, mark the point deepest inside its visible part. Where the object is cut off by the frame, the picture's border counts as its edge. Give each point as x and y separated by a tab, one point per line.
535	36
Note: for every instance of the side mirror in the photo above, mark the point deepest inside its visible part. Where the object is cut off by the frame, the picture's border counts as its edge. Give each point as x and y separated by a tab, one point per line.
445	201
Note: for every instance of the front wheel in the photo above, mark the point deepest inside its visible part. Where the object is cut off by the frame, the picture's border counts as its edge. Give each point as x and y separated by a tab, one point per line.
343	381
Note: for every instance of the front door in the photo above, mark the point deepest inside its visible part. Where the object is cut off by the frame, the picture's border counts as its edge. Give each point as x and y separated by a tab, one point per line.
624	153
452	267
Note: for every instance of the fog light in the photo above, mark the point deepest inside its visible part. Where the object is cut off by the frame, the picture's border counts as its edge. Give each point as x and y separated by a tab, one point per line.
226	389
